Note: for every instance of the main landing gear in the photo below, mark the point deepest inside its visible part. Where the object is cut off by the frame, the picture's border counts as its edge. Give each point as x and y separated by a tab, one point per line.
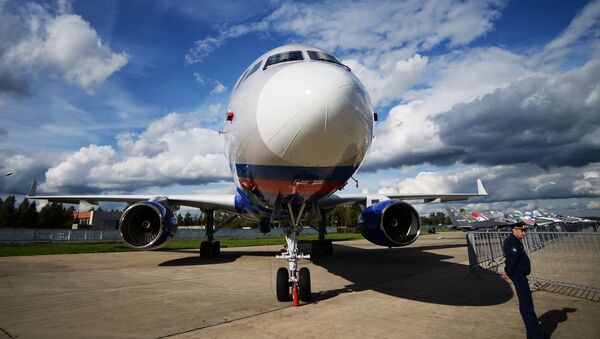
322	247
293	284
210	247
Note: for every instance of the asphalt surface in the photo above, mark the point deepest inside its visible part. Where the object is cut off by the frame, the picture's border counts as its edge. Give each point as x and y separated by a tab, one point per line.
362	290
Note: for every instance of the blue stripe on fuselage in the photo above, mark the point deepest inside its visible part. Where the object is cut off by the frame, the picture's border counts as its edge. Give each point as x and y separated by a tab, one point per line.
294	172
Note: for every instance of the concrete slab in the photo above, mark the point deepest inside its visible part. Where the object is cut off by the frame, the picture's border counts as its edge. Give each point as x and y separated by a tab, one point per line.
361	291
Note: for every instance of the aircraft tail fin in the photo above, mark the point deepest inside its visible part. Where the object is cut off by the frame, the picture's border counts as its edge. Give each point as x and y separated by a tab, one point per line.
33	189
480	189
455	216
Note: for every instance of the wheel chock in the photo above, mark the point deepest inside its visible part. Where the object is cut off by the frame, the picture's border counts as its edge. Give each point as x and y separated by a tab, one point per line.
296	300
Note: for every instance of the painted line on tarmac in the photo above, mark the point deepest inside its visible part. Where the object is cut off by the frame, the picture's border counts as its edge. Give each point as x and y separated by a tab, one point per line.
226	321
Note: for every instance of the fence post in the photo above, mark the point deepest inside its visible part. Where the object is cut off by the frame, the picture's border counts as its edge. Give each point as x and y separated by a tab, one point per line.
473	261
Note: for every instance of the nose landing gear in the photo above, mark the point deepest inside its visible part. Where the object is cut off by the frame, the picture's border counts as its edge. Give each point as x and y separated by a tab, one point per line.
293	284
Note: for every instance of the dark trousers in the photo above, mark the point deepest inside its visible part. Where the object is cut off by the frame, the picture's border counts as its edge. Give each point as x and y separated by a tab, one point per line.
526	306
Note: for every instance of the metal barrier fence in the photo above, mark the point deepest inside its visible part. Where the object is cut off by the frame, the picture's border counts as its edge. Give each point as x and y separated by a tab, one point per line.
566	262
43	235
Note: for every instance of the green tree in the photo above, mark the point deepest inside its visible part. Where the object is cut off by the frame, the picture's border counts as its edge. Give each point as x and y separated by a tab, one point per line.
188	220
436	219
8	213
342	216
27	215
54	215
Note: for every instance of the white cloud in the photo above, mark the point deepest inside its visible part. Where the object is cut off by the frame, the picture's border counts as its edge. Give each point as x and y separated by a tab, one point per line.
200	78
363	32
593	205
542	119
586	27
172	150
219	88
64	45
503	183
417	25
410	135
391	79
24	167
204	47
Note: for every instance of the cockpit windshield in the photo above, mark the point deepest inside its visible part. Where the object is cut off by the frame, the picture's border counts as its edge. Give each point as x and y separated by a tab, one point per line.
283	57
314	55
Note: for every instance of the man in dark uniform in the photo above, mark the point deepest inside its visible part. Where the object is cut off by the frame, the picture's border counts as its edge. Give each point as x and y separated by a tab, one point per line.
517	268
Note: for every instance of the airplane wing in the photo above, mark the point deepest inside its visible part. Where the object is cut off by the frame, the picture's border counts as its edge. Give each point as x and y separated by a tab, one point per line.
335	199
225	202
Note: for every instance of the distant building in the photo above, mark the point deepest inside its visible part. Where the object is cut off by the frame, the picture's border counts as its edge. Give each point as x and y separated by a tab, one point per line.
96	220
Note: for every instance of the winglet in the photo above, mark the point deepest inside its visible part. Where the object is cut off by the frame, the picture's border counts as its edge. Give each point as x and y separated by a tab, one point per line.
480	189
33	189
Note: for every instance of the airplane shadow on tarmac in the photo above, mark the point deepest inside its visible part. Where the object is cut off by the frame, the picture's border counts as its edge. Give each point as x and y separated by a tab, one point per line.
225	257
410	272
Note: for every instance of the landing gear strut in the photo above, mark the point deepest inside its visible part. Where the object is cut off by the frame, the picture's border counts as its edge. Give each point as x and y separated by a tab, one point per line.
293	284
209	247
322	247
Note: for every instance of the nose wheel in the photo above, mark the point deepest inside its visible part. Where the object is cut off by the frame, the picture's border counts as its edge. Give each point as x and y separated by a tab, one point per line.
304	292
291	288
283	285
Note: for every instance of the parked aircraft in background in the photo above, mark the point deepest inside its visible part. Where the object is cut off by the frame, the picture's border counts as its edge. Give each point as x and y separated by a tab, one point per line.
462	222
540	221
536	218
298	127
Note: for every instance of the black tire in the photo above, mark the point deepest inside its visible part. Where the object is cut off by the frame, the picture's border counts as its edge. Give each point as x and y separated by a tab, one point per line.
216	248
304	292
283	285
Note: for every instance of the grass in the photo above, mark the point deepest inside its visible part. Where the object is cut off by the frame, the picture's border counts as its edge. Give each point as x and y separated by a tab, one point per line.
9	250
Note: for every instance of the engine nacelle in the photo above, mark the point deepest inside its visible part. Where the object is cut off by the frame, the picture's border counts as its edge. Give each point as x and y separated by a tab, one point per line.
147	225
390	223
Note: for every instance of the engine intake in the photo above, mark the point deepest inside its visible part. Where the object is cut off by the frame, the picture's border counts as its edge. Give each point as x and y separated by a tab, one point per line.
147	225
390	223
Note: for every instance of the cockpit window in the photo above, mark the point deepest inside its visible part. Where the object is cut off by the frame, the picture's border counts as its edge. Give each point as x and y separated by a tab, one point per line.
314	55
248	73
252	70
283	57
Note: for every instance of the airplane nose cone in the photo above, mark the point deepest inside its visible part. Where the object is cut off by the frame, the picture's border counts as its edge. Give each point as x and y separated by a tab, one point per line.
315	114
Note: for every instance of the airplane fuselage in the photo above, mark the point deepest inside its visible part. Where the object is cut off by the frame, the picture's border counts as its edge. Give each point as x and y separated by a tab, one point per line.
298	127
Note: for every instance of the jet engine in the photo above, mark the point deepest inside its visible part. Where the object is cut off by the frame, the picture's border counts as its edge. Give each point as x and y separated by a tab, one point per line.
390	223
147	225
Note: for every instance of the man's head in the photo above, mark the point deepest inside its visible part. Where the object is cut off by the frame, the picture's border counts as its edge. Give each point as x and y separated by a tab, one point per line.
518	230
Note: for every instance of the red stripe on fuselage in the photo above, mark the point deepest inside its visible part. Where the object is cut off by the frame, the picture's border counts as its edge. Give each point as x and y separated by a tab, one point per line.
291	187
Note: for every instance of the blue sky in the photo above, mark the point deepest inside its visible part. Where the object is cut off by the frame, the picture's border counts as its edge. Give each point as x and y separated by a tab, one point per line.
128	96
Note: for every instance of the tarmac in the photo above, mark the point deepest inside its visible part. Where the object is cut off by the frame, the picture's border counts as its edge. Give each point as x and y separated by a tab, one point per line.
363	290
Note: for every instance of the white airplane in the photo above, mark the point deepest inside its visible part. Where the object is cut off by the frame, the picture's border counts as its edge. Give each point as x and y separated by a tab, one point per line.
298	127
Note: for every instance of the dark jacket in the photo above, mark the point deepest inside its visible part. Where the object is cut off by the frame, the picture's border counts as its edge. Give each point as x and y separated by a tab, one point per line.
517	261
